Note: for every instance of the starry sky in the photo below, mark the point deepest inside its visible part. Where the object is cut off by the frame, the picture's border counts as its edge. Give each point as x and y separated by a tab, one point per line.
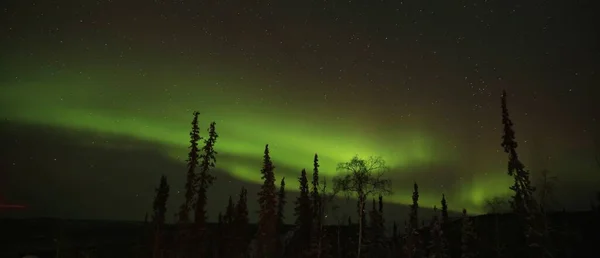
97	97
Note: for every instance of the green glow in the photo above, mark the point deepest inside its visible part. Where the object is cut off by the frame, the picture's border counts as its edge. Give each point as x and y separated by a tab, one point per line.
104	103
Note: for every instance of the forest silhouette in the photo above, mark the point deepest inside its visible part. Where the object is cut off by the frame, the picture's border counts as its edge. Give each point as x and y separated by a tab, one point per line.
530	230
521	226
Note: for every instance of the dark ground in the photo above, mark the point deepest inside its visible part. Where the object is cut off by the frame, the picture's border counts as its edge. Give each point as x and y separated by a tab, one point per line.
574	234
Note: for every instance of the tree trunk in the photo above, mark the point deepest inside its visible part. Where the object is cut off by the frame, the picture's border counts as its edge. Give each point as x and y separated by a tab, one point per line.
339	249
156	247
360	223
497	238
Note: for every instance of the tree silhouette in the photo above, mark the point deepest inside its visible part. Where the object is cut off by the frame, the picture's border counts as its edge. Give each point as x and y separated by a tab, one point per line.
522	185
546	186
319	245
395	240
303	214
377	230
317	218
267	199
496	206
315	189
192	164
412	241
229	228
597	159
229	212
523	202
444	210
437	244
219	237
468	236
240	226
281	205
205	179
280	214
362	178
159	214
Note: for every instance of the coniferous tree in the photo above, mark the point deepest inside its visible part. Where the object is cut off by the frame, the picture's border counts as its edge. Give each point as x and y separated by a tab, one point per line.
229	212
280	216
267	199
238	247
321	246
523	202
192	164
377	237
412	242
522	185
159	214
381	221
468	237
281	205
303	214
437	246
315	190
205	179
444	210
318	210
219	239
229	229
395	239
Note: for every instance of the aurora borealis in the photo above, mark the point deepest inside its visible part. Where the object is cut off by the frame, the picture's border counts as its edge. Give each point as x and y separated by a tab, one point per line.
415	82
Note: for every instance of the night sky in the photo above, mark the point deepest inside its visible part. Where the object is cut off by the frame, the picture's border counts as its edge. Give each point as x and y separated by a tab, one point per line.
97	97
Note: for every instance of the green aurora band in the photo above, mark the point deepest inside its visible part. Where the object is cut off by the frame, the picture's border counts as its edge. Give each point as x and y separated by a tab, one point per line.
86	101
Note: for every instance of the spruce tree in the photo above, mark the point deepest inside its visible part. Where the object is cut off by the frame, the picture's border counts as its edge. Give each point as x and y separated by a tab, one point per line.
522	185
412	242
303	214
523	202
267	200
229	211
377	238
444	210
316	236
395	239
230	229
281	206
437	246
192	164
205	179
280	215
315	189
240	226
468	237
159	214
219	238
381	219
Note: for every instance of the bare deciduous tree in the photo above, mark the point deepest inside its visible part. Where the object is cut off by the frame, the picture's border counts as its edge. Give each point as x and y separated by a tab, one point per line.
546	186
496	206
597	153
597	158
361	179
326	198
